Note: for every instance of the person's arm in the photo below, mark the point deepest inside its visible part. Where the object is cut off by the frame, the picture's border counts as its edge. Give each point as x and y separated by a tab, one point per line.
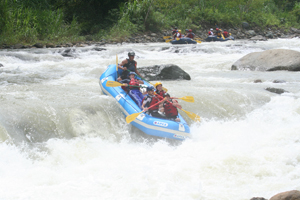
124	62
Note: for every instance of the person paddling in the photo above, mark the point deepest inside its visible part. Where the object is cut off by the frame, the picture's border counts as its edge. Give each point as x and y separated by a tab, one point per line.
128	64
159	90
190	34
134	92
150	100
170	108
211	32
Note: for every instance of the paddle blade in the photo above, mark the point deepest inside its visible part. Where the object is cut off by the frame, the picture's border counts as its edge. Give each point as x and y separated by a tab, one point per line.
193	116
167	41
198	41
132	117
188	99
165	89
113	84
166	37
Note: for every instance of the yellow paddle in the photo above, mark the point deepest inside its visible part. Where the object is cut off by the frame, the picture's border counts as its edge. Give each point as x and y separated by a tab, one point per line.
166	37
116	84
191	115
186	98
168	40
133	116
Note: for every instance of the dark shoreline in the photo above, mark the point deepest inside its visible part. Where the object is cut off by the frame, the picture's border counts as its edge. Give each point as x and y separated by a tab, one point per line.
150	37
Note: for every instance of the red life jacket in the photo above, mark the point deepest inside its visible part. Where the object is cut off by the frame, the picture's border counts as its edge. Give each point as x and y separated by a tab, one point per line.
225	34
178	36
154	100
190	35
160	94
170	110
210	33
134	82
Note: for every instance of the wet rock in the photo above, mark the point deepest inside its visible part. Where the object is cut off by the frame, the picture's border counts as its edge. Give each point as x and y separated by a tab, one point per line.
277	91
269	34
295	30
258	198
38	45
289	195
18	46
257	81
259	37
164	72
279	81
99	49
269	60
68	53
50	45
251	32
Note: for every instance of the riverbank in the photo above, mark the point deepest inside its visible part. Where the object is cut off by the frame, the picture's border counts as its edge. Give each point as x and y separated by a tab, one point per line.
244	32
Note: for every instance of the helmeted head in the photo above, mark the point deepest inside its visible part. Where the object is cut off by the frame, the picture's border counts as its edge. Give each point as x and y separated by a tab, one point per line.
166	94
175	28
217	29
186	30
179	31
190	30
157	84
211	29
131	53
150	88
132	75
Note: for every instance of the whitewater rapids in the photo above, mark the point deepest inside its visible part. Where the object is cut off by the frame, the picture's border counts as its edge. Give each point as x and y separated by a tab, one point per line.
61	138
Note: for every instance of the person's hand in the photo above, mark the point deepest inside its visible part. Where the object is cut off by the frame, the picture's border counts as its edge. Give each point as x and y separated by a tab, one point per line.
125	84
145	109
125	68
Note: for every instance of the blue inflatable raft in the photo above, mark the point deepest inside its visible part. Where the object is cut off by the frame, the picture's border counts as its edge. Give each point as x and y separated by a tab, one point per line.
184	41
216	38
150	125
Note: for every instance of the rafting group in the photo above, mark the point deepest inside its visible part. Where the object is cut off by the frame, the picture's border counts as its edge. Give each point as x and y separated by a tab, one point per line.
155	100
190	38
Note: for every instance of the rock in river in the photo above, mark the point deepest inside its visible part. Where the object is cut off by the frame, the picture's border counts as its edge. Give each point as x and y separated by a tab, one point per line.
269	60
163	72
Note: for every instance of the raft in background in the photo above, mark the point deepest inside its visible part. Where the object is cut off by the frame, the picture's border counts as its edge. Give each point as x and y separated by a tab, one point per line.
216	38
150	125
184	41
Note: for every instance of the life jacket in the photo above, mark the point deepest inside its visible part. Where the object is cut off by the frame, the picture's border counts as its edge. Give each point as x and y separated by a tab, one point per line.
160	94
170	110
225	34
210	33
191	35
154	100
131	65
134	82
178	35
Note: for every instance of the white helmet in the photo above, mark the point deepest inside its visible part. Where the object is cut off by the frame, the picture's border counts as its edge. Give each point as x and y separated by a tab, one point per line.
211	29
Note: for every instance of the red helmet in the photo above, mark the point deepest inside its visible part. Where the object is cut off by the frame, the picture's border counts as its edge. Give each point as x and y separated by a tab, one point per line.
217	29
190	30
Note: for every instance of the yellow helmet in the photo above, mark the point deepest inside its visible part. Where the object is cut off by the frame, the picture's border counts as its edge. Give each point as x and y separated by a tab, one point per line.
179	31
157	83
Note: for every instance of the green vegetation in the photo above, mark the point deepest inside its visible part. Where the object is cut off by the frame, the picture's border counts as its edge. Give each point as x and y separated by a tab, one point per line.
61	21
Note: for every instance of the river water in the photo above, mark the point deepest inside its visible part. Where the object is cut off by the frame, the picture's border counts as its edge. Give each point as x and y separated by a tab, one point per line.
60	138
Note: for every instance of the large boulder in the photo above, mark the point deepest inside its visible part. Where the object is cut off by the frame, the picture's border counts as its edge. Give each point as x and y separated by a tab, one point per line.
269	60
289	195
163	72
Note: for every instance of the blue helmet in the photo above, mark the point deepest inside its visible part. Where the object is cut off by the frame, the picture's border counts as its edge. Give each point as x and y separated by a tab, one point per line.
149	88
132	73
